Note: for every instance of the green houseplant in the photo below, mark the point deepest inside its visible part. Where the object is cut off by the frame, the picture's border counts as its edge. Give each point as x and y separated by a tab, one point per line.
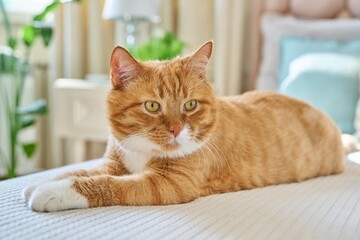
162	47
14	67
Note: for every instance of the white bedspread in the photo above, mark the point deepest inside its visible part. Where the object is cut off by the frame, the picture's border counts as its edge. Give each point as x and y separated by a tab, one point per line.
322	208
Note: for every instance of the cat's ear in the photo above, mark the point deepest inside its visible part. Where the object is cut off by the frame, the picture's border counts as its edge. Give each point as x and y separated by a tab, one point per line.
123	68
198	61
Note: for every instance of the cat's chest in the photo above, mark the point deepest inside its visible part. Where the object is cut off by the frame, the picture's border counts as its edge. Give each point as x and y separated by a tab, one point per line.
135	162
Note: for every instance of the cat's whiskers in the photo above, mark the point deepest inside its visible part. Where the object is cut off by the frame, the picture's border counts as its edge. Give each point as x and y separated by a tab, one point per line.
215	157
201	163
224	109
215	160
117	145
223	159
197	85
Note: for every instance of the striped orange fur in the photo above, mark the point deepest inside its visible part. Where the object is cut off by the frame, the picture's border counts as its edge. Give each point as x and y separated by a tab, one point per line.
232	143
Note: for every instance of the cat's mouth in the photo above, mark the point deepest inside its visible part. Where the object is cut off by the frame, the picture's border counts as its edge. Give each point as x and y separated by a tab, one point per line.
172	145
179	148
173	141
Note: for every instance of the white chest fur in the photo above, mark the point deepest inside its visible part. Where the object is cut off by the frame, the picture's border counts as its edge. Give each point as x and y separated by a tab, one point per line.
138	150
134	149
135	162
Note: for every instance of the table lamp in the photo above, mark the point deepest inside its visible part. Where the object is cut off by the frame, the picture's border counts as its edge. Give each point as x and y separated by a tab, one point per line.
131	14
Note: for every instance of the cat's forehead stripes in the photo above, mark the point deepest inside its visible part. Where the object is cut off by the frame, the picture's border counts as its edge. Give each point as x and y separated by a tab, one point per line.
171	81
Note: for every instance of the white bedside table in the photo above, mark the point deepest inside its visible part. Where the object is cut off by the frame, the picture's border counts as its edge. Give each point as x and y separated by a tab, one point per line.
80	115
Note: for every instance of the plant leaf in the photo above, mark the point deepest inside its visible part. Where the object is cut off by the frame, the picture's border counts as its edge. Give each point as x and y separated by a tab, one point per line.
12	42
163	47
50	8
38	107
29	149
28	35
8	60
26	121
46	34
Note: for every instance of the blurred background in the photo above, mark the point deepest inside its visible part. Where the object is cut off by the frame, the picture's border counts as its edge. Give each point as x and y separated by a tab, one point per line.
54	63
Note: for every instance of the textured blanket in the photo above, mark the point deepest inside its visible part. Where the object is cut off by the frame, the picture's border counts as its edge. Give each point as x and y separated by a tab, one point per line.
321	208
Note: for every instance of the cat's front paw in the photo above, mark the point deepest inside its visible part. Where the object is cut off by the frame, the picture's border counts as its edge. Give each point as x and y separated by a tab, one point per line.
26	193
56	196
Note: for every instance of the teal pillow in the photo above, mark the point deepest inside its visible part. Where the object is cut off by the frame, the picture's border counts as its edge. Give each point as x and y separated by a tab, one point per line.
292	47
329	82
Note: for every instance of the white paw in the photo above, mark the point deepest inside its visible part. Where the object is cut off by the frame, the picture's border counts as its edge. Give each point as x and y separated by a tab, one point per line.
26	193
56	196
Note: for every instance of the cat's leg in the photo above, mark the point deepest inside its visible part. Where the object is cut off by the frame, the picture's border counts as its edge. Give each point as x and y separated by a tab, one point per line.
26	193
150	188
111	167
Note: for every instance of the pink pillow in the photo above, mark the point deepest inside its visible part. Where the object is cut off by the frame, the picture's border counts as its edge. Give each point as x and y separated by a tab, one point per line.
317	8
354	7
281	6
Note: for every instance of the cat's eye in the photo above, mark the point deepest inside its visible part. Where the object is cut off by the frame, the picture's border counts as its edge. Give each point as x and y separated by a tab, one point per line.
190	105
152	106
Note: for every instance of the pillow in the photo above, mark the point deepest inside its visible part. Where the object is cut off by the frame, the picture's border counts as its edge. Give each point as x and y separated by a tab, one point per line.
329	82
275	26
277	5
316	9
354	7
292	47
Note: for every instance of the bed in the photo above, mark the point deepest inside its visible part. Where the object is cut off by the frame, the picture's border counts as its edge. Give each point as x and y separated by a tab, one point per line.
322	208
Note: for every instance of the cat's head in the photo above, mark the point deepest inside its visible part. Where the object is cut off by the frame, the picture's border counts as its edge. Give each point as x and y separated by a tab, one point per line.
163	108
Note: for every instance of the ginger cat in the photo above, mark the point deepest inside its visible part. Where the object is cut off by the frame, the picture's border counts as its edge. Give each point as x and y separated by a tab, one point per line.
173	141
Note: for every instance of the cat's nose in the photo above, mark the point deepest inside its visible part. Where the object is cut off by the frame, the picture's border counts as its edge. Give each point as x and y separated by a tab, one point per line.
175	129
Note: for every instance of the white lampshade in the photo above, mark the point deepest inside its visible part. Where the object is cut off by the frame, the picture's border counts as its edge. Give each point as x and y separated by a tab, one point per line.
115	9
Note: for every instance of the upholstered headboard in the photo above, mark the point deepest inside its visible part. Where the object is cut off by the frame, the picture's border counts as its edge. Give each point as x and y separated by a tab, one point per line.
309	50
302	9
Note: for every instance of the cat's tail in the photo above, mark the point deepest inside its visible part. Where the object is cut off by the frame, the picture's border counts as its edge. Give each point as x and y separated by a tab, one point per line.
350	143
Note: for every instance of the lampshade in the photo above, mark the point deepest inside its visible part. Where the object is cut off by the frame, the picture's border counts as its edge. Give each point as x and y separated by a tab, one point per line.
115	9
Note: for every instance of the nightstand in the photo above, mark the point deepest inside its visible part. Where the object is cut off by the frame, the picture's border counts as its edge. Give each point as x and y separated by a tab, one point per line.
80	116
